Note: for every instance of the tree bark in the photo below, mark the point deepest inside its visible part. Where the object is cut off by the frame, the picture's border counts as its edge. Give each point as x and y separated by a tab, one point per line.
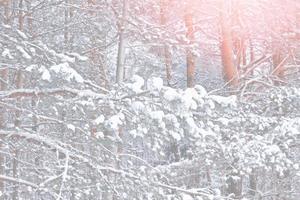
226	47
121	46
277	59
166	51
66	22
253	183
17	122
3	86
4	77
21	15
190	58
6	5
15	195
297	10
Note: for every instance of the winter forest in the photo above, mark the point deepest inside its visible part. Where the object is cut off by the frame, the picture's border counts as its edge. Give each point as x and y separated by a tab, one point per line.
150	99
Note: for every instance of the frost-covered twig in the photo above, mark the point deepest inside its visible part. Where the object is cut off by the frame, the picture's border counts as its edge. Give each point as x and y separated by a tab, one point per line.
16	180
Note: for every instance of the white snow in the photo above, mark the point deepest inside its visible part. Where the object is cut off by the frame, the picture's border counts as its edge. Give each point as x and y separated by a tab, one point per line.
155	84
45	73
200	90
23	52
6	53
42	69
224	121
189	97
192	124
225	101
78	56
272	150
68	72
157	115
138	106
65	58
32	51
99	135
22	34
115	121
186	197
30	68
133	133
99	120
175	135
138	83
71	127
171	94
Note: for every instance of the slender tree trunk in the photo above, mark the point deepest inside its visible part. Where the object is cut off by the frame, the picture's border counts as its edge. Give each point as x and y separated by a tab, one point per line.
66	29
253	183
119	151
17	122
15	195
21	15
98	58
297	18
121	46
3	86
29	17
252	54
237	36
226	47
298	21
208	177
190	58
6	5
2	126
71	16
69	13
277	59
166	51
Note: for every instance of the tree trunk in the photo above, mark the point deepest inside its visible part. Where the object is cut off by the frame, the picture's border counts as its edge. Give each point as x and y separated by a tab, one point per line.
21	15
252	54
190	59
297	17
2	126
226	47
29	17
238	37
15	195
121	47
66	22
6	5
278	60
3	86
253	183
17	122
297	10
234	185
166	51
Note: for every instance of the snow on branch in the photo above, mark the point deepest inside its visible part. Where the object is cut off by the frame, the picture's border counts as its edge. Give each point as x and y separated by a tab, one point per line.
18	93
16	180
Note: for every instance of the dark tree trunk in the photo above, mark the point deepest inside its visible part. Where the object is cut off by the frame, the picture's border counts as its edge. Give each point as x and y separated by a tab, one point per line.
190	58
226	47
121	47
166	52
